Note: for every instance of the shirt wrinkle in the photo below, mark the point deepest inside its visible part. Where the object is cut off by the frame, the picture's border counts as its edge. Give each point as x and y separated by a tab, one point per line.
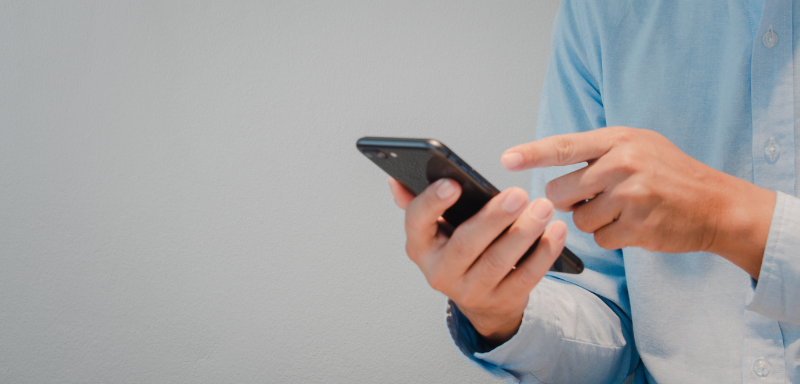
701	74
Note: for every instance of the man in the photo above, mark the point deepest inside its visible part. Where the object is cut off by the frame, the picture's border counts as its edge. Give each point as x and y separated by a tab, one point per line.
688	227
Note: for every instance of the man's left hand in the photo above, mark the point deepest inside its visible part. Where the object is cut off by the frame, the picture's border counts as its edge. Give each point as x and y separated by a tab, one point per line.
640	190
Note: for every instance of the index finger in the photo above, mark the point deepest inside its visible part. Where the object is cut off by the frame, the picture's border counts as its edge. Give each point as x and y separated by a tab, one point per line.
402	196
571	148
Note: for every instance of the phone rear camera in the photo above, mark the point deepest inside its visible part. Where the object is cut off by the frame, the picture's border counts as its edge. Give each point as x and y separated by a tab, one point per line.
373	153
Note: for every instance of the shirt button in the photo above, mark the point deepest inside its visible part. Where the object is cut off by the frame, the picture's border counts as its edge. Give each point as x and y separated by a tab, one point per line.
761	367
772	151
770	38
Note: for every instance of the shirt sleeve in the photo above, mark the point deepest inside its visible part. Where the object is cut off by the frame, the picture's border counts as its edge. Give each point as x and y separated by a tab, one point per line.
568	335
777	290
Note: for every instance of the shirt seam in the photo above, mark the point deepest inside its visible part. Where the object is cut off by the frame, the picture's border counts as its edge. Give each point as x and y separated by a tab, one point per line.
593	344
589	57
753	26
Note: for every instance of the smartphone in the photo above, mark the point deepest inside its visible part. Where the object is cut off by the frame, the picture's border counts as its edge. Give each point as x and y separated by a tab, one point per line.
416	163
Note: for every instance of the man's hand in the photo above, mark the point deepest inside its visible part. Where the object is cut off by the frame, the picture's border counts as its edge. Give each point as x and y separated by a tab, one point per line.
640	190
474	267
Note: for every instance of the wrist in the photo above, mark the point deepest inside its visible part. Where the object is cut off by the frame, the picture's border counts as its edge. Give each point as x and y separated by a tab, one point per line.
495	330
742	224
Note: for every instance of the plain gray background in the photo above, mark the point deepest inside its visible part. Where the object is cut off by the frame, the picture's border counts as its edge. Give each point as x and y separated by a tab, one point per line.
181	199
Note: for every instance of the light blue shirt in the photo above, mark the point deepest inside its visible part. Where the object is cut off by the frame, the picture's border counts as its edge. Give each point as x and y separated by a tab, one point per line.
717	78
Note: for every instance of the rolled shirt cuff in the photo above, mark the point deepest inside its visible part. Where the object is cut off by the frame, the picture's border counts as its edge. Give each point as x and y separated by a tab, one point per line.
776	291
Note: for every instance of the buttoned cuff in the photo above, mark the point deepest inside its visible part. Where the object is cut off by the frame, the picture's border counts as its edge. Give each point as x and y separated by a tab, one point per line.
531	349
776	292
468	341
568	334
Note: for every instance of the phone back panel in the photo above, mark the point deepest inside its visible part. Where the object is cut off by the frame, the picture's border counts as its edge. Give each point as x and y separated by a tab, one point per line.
420	163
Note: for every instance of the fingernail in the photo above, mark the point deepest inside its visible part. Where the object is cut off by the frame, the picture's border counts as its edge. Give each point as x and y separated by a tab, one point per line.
557	232
511	160
445	190
513	202
541	209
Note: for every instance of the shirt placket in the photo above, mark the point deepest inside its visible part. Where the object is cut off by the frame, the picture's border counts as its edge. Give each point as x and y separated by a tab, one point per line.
773	152
772	99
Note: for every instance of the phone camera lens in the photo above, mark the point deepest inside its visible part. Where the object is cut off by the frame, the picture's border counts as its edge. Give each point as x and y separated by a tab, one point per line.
373	153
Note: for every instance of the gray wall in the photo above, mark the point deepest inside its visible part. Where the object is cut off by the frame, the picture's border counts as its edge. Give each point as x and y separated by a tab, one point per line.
181	199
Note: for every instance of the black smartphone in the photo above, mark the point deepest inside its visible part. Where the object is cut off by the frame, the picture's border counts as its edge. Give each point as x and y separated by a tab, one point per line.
416	163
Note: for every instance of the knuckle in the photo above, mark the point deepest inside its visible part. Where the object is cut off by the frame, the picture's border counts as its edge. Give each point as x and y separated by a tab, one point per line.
437	282
551	191
528	277
627	161
525	231
647	227
624	134
494	264
634	192
564	148
603	241
419	209
428	203
411	224
412	252
458	245
652	136
652	245
581	220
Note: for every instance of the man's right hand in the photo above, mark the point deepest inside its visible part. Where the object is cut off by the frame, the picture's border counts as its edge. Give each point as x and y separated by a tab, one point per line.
474	267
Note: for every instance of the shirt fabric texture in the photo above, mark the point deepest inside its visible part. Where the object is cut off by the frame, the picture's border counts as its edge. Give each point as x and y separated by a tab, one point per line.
719	79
